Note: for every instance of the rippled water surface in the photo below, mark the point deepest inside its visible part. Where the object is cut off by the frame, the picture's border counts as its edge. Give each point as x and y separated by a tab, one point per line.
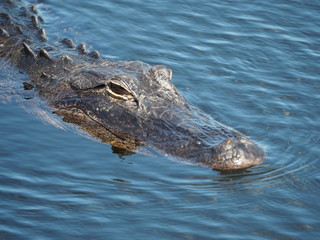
253	65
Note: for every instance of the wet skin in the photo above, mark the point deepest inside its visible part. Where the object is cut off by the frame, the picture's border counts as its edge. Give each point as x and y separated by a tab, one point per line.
127	104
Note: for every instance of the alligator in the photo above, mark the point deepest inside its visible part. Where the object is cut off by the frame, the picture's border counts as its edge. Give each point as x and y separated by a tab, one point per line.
127	104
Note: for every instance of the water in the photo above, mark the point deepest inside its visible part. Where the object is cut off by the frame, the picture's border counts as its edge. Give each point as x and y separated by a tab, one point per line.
252	65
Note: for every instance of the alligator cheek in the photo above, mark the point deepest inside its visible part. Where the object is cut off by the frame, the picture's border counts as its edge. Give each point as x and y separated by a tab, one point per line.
232	154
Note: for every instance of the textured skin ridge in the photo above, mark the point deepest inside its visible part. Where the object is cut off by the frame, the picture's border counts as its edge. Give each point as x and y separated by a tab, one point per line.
127	104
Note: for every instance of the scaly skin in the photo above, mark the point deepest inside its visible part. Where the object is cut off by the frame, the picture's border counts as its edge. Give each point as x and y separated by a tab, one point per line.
126	104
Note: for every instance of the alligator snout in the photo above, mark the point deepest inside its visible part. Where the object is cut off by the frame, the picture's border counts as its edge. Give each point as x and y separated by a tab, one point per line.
232	154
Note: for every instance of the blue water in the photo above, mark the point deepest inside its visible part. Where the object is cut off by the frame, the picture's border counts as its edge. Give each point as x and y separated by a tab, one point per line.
253	65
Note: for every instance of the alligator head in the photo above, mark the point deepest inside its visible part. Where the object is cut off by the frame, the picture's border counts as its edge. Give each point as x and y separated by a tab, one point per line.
131	104
126	104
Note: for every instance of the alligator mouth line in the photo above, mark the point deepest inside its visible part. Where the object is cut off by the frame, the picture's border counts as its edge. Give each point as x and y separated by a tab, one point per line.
98	130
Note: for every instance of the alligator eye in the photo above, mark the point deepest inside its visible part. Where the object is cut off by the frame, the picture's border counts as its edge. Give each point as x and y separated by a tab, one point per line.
118	91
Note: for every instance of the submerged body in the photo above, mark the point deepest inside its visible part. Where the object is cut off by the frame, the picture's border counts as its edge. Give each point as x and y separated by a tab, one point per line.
127	104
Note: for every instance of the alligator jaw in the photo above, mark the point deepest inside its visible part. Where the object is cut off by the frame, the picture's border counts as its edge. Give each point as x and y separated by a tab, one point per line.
96	129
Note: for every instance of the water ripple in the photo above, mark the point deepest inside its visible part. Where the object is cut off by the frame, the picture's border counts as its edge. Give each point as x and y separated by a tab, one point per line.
252	65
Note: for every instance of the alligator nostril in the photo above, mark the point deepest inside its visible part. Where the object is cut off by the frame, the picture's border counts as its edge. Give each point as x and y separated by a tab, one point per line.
231	154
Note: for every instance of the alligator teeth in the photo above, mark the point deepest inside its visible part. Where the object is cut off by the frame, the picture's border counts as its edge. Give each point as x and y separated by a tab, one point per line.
68	42
28	50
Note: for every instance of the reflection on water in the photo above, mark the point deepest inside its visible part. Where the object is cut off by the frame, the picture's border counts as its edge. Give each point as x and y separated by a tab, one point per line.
251	65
